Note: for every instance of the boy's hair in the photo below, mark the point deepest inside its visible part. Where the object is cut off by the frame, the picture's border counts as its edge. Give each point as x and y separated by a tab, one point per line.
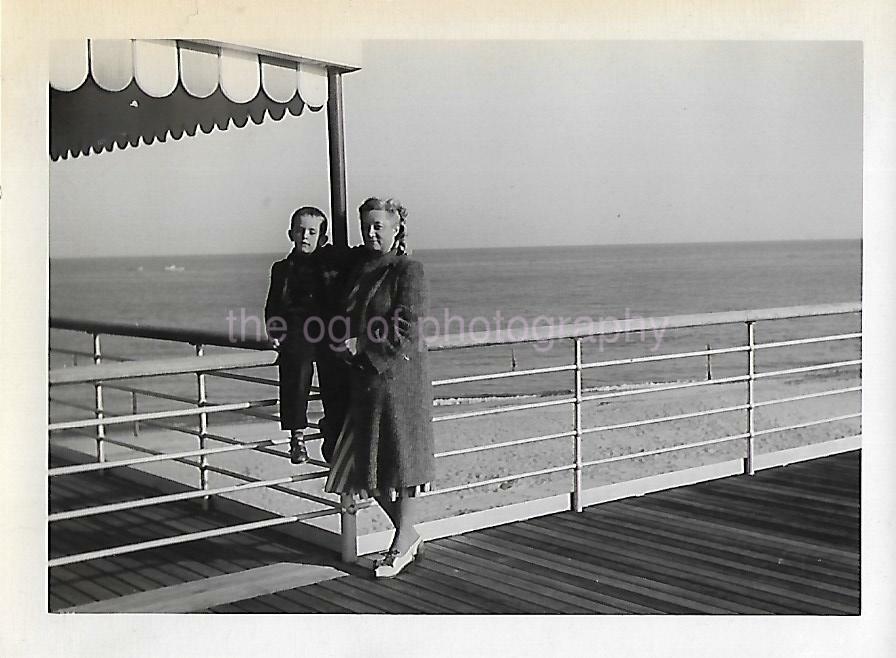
323	236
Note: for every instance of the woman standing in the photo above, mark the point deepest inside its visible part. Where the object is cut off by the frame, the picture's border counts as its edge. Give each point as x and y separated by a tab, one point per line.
386	447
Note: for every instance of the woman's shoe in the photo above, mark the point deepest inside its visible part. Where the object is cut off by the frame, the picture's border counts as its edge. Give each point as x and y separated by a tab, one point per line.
394	562
380	559
298	453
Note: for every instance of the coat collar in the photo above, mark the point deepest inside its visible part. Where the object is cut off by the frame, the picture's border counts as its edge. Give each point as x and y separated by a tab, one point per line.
296	256
376	259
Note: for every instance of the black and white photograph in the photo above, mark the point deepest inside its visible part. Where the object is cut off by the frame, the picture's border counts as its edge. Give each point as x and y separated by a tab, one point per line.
426	328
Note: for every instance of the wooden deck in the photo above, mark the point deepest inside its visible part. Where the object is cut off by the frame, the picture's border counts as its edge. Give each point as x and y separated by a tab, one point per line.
785	541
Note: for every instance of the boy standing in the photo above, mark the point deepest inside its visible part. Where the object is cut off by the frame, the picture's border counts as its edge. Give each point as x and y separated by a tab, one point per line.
303	298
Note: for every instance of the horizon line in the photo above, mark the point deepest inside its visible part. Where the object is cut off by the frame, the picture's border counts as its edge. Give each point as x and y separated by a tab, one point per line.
480	248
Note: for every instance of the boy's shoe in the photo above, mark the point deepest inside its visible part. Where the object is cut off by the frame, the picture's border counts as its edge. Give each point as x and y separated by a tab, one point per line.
298	453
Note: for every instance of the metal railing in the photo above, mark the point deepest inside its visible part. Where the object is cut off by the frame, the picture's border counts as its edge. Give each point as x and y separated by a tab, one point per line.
107	377
202	366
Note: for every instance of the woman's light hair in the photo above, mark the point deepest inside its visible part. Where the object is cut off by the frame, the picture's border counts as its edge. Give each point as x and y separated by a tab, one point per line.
392	206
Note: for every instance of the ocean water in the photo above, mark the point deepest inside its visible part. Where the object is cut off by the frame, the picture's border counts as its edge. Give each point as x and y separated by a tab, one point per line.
490	286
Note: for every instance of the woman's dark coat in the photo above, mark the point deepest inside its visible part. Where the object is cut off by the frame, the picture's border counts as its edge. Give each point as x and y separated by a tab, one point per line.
391	400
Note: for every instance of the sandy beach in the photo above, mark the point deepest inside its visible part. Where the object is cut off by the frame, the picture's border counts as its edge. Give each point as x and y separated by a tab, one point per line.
507	461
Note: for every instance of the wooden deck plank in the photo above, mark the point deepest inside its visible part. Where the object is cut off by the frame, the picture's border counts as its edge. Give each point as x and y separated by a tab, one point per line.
793	493
72	595
496	597
500	577
777	527
106	586
172	562
440	591
726	544
831	482
352	600
474	599
234	548
784	541
695	596
770	510
721	566
620	589
226	609
413	585
300	602
55	601
74	574
255	606
757	582
717	526
783	513
577	586
835	565
574	573
584	594
218	590
791	498
669	531
744	560
633	588
397	592
121	575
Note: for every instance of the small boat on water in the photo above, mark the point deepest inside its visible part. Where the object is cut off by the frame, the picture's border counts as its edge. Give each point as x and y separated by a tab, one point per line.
174	268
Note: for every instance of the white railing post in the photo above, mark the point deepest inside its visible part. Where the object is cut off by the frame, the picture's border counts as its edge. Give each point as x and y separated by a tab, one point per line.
98	406
751	399
202	401
348	517
577	425
134	411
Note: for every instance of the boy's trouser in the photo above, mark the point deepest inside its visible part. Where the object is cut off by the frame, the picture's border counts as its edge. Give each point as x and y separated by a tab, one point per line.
296	368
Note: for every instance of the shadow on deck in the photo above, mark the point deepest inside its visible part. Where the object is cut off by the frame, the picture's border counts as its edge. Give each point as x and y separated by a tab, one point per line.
784	541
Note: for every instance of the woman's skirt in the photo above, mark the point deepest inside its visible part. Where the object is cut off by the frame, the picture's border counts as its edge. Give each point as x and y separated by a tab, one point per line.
342	471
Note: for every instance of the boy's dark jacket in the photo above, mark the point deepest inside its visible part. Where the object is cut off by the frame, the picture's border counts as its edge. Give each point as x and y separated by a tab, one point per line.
306	285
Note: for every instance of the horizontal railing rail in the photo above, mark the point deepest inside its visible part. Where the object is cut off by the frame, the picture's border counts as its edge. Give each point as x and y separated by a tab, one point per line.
158	367
159	332
472	339
632	325
113	376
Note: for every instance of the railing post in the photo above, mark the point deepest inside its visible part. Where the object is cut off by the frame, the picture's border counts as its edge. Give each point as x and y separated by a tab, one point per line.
134	411
98	399
751	421
577	420
348	517
202	400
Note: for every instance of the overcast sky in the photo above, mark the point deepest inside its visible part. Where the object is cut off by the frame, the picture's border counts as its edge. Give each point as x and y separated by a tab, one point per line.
512	143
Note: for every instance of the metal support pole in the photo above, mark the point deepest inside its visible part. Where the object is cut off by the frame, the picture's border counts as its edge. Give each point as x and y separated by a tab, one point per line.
202	400
134	411
577	446
751	421
336	143
98	399
349	529
708	363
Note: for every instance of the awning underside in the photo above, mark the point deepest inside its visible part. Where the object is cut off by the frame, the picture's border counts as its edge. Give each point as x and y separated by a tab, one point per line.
94	120
105	94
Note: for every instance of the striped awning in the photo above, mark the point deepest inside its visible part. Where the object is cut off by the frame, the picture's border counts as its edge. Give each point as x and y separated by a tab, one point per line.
121	92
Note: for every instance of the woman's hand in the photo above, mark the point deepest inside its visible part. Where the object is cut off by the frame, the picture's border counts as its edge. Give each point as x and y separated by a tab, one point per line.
275	343
352	346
